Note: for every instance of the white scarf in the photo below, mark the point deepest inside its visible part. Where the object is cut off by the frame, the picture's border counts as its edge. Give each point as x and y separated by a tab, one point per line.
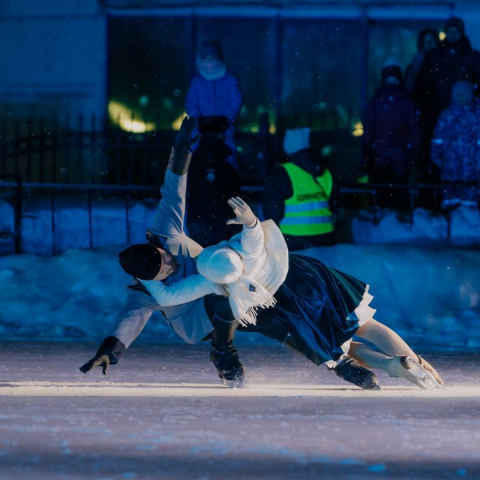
246	295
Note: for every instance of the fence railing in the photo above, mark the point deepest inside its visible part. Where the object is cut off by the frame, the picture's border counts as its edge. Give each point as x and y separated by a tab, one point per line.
93	151
16	189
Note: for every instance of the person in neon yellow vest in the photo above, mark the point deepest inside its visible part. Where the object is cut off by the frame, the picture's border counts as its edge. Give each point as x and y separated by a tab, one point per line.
297	195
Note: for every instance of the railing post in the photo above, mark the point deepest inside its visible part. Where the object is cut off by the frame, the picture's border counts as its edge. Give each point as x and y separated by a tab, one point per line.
93	145
127	218
68	160
16	147
29	149
42	149
90	220
130	152
4	150
80	146
18	214
52	207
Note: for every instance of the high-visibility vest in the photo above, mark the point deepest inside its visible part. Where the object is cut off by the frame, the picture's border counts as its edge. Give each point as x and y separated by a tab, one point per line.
307	211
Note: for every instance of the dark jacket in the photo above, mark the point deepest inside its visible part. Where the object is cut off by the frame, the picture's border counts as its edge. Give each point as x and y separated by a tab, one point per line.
442	67
392	135
211	182
278	188
214	97
456	143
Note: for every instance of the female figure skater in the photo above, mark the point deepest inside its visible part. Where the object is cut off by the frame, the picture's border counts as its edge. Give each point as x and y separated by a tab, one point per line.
299	301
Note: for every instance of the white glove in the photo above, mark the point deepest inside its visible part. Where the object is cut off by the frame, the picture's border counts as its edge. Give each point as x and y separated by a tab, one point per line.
243	213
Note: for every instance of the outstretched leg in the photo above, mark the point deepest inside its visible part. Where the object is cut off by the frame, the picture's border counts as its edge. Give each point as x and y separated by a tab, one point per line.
385	339
401	361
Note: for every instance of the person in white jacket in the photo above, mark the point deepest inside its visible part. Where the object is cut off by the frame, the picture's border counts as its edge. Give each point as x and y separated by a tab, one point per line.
317	309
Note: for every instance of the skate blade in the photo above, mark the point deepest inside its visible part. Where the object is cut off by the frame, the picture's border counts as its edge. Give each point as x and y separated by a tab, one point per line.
421	377
232	383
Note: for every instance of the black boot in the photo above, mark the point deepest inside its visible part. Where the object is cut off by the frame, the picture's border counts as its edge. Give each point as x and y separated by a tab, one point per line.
223	354
230	371
351	371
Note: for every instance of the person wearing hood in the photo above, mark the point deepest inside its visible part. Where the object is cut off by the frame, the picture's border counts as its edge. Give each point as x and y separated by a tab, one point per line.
392	137
455	146
454	59
427	40
299	301
214	91
212	181
297	195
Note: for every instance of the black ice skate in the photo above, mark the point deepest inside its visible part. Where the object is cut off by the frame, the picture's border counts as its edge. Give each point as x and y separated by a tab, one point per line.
351	371
229	368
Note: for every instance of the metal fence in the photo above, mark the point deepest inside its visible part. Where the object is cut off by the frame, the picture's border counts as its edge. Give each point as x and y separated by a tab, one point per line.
90	150
342	197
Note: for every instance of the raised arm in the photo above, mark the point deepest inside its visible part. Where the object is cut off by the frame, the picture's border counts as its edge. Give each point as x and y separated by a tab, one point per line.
169	217
252	238
184	291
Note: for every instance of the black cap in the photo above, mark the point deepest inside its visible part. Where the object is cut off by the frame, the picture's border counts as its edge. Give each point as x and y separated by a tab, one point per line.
455	22
213	124
392	71
142	261
211	48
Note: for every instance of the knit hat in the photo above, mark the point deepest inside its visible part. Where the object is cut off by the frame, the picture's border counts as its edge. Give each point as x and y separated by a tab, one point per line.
392	71
296	139
455	22
211	48
463	86
220	264
142	261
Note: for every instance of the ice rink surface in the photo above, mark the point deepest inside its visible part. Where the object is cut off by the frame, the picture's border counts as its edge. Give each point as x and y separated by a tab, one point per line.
162	414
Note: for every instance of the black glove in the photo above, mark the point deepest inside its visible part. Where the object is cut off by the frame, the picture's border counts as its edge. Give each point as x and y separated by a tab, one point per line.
99	360
184	139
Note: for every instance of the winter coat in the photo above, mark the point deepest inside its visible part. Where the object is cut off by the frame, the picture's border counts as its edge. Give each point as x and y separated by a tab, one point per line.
278	188
412	70
212	181
456	143
392	135
190	320
264	255
218	97
443	66
214	97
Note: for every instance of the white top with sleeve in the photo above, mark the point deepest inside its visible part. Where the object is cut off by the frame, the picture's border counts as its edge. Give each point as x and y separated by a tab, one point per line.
264	257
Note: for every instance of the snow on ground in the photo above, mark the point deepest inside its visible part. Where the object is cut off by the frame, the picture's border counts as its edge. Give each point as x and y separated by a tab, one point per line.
71	225
431	297
162	414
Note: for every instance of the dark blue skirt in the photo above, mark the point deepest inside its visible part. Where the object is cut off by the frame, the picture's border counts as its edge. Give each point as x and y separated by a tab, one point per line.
314	309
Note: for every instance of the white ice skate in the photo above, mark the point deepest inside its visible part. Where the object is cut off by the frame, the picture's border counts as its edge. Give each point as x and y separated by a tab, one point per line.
407	367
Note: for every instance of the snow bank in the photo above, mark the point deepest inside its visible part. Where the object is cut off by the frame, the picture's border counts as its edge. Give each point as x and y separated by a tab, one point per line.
71	226
431	297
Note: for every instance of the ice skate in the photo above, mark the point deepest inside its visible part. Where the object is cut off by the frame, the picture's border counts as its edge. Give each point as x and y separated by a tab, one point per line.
404	366
230	371
429	368
351	371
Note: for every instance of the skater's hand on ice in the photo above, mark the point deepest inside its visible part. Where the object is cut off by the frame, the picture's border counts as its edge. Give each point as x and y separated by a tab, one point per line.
184	139
97	361
243	213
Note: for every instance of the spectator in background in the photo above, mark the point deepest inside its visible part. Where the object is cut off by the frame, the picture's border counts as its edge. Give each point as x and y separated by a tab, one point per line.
456	146
297	195
214	91
427	40
452	60
391	139
211	182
